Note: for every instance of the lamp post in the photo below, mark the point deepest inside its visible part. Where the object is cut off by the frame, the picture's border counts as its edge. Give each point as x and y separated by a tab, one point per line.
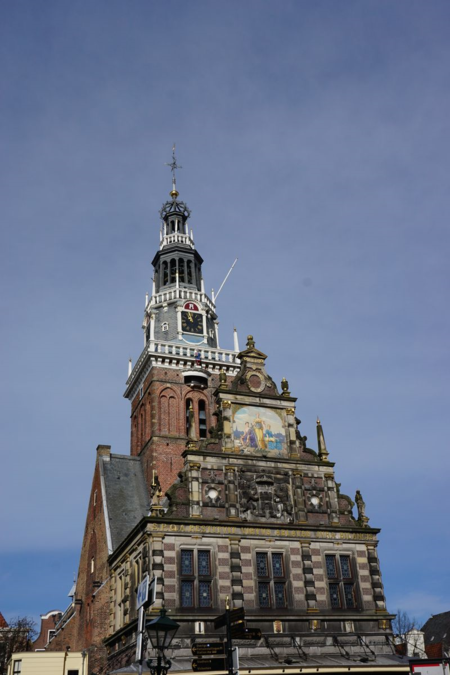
161	632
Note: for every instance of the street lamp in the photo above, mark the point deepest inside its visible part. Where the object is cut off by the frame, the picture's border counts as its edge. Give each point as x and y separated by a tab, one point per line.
161	632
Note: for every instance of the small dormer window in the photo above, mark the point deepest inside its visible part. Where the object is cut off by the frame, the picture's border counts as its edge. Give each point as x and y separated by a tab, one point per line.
164	326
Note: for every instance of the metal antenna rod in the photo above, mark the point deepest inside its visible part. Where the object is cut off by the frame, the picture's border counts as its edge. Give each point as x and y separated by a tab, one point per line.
223	282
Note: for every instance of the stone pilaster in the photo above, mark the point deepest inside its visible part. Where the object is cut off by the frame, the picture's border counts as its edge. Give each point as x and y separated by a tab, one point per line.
298	581
127	588
299	499
195	490
292	437
231	493
308	576
224	573
227	439
365	581
375	576
237	593
169	561
157	561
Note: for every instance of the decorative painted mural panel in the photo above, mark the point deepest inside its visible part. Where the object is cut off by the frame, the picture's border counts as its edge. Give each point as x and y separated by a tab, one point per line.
259	431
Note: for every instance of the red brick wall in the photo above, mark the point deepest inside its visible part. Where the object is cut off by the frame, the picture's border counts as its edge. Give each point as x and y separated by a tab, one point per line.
90	623
158	422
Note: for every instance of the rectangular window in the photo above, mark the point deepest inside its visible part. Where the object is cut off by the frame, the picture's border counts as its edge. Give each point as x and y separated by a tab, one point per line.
196	579
271	575
187	593
17	667
187	563
264	593
341	585
262	568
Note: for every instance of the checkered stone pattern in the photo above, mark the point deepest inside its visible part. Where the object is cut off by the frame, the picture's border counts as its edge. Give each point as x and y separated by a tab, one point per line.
308	576
298	586
237	572
224	572
321	585
375	575
365	580
157	567
169	561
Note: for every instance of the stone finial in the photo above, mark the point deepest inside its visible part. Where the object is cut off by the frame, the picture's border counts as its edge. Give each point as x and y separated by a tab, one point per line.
250	342
285	387
322	446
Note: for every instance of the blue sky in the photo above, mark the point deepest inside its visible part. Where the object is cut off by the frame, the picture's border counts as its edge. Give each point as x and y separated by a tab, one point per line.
314	140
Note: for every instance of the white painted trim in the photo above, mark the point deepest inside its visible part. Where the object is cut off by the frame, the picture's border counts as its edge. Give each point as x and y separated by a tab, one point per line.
105	506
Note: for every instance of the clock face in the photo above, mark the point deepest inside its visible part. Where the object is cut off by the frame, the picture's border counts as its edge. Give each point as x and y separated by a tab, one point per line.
192	323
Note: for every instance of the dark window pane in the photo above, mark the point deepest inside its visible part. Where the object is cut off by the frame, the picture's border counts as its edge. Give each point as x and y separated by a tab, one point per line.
330	561
261	565
345	567
202	419
335	598
280	596
204	566
349	596
277	565
263	594
204	588
187	593
187	563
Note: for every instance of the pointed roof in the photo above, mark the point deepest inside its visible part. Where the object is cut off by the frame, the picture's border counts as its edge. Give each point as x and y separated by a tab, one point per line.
3	622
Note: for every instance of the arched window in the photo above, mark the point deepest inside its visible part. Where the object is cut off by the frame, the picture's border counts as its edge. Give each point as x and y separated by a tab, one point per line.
181	270
173	271
164	414
165	273
189	272
188	405
172	415
202	418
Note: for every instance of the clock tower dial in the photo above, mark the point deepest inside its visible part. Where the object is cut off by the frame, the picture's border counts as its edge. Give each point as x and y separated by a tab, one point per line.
192	322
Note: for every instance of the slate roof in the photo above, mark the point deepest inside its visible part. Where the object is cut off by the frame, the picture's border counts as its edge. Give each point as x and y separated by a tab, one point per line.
437	631
127	498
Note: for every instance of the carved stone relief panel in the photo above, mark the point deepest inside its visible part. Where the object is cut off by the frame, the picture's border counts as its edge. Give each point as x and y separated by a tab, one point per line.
265	496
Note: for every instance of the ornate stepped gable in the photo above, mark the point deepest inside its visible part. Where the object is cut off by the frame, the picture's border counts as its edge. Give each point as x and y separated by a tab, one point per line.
221	498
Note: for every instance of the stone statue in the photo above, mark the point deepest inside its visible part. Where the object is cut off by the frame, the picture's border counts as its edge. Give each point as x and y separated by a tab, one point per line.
361	506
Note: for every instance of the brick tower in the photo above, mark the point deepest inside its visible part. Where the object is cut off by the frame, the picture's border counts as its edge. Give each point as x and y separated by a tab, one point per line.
178	371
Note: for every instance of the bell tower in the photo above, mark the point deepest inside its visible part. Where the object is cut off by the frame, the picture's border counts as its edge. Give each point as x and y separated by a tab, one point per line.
175	376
